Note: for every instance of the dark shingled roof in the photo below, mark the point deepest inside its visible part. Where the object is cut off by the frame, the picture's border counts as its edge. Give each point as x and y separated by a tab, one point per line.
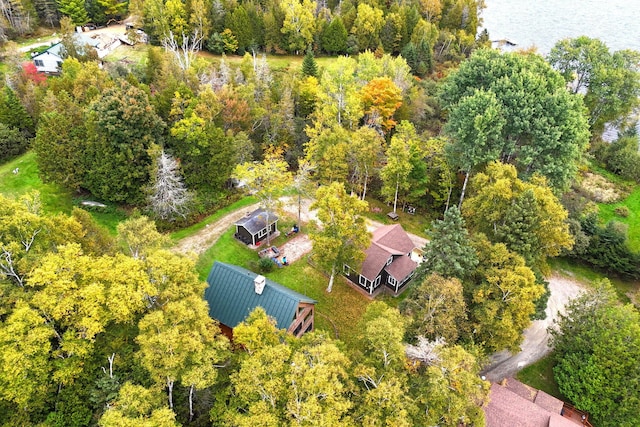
231	296
387	240
257	220
401	267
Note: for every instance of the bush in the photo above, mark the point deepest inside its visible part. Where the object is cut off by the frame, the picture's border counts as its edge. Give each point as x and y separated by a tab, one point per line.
265	265
622	211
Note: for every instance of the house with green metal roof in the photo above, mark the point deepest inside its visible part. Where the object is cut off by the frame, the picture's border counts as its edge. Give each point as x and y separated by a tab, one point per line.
234	292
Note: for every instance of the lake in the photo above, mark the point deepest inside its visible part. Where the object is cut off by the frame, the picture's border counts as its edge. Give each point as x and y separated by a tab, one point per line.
542	23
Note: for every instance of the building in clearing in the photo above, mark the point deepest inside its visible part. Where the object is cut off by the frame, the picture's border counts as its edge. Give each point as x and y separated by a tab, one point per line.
388	261
253	228
234	292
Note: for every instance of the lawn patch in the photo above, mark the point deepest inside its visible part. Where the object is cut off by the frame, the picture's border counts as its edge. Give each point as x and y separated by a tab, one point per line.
607	212
540	376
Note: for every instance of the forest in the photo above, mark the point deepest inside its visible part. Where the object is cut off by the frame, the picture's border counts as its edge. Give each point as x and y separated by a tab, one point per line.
401	104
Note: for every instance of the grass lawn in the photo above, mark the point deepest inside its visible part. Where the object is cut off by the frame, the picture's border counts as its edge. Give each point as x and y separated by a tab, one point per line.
55	199
540	375
632	202
415	224
344	306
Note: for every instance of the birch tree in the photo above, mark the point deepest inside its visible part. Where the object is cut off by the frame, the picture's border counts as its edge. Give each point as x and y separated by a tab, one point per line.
395	174
343	236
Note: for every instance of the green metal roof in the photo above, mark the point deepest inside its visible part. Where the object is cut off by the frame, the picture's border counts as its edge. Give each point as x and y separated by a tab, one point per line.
231	296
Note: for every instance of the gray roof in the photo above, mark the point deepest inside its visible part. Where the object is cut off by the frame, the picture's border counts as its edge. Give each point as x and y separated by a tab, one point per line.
387	241
257	220
231	297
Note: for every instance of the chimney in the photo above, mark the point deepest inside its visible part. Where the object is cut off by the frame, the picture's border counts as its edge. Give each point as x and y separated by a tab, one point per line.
259	283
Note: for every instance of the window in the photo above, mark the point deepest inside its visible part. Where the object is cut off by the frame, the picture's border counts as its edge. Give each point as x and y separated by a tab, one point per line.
262	233
39	63
377	281
363	281
59	64
346	270
390	260
391	280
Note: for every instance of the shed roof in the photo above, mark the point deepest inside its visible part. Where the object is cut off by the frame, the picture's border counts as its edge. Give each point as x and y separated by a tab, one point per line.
231	296
257	220
81	39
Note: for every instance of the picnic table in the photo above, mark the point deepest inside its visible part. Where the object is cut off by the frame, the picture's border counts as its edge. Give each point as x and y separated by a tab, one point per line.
394	216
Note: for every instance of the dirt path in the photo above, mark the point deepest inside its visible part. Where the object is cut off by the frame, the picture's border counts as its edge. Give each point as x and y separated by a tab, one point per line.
208	236
536	337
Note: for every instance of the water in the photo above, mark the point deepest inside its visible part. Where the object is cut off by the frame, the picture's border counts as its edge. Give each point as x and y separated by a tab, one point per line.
542	23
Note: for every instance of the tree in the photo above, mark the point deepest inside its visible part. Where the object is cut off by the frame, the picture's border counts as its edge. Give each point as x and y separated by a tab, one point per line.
138	237
596	345
180	342
343	237
543	127
60	140
328	150
338	99
446	385
13	114
299	23
449	252
74	9
266	179
170	197
476	127
436	310
526	216
12	142
122	129
366	27
309	66
137	406
25	371
395	173
380	99
365	154
334	37
501	297
609	81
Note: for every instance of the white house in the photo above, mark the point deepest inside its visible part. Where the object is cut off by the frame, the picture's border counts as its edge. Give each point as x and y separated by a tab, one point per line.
50	61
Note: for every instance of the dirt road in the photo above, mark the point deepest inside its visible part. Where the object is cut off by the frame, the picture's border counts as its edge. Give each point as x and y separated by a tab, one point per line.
536	337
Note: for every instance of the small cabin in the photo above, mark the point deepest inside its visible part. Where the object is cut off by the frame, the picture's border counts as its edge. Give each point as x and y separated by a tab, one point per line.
234	292
255	226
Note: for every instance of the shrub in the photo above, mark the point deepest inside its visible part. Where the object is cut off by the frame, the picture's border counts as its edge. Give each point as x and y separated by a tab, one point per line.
622	211
265	265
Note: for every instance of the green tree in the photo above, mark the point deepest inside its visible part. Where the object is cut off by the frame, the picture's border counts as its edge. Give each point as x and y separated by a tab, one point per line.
366	27
338	99
328	150
365	154
138	237
334	37
343	237
299	23
12	142
395	173
309	66
610	81
13	114
501	297
122	129
436	310
60	141
526	216
74	9
543	127
597	344
449	252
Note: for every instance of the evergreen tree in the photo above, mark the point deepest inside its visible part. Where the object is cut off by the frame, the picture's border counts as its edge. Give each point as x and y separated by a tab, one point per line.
75	10
449	252
334	37
309	66
13	114
12	142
